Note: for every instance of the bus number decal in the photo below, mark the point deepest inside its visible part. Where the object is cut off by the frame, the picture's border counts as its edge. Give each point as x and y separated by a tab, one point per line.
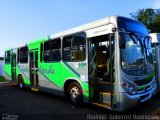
81	65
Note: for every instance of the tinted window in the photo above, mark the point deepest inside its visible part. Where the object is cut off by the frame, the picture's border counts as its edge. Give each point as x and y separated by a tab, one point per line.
7	57
52	50
67	48
23	55
74	47
133	26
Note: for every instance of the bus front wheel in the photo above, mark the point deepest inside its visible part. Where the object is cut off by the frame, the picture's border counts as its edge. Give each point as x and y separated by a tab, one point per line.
75	93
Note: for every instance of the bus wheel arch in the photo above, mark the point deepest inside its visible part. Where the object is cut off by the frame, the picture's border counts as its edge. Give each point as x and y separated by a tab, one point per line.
73	91
21	82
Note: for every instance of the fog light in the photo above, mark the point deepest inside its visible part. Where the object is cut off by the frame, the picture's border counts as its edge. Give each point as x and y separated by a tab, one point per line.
128	88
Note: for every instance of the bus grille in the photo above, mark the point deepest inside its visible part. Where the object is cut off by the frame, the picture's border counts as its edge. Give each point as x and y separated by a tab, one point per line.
144	96
142	82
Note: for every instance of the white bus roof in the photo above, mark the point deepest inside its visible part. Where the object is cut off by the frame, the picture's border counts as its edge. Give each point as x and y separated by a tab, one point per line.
97	23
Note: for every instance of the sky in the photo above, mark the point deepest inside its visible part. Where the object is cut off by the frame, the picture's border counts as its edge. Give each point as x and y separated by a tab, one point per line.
22	21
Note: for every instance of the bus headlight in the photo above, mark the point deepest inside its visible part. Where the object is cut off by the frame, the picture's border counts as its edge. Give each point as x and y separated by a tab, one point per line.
130	90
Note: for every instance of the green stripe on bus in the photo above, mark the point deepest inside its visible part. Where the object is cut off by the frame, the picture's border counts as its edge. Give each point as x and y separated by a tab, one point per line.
7	74
22	72
77	74
48	79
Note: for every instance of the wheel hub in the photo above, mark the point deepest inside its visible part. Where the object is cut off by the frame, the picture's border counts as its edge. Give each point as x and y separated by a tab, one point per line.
20	85
74	92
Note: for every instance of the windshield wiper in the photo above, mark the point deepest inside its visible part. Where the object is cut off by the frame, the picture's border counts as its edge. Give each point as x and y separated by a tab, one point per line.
135	41
143	49
148	39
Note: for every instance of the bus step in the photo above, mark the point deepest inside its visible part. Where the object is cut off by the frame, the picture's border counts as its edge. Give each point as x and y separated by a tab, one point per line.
104	87
99	79
104	105
34	89
105	97
105	83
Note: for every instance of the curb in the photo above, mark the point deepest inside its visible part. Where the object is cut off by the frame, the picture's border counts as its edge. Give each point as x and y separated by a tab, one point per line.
8	83
4	82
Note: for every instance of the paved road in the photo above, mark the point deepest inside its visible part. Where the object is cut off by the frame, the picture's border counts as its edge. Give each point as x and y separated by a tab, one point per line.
15	103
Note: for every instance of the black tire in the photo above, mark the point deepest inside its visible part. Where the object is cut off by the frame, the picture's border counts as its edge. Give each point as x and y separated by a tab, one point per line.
20	83
75	93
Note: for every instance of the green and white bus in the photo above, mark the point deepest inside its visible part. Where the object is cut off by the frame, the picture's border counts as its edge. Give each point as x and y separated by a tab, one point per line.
156	56
106	63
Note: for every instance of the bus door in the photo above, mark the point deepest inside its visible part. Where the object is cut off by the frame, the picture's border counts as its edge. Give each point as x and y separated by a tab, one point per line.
101	79
34	69
13	66
156	55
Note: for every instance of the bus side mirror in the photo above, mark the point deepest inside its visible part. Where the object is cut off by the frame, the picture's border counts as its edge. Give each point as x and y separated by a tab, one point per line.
122	42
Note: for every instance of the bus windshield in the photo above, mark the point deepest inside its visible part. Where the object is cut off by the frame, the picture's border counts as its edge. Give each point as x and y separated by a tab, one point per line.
132	26
136	57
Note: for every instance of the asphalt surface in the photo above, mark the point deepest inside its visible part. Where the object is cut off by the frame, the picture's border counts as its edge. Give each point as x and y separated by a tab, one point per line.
17	104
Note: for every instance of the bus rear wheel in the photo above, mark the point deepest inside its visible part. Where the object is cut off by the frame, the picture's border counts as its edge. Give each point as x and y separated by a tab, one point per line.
75	93
20	83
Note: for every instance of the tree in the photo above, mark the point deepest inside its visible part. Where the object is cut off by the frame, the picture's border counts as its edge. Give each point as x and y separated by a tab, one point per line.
149	17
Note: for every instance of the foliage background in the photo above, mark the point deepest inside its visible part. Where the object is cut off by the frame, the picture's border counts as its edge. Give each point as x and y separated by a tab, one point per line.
149	17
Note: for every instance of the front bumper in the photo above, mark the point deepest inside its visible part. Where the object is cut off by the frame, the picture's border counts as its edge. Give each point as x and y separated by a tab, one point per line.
128	101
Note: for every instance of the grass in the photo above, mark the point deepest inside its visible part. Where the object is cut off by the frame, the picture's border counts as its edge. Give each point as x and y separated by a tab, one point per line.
2	79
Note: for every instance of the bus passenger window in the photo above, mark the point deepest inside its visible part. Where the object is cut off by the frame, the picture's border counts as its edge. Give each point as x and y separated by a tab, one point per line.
79	46
7	57
67	48
52	50
23	54
74	48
